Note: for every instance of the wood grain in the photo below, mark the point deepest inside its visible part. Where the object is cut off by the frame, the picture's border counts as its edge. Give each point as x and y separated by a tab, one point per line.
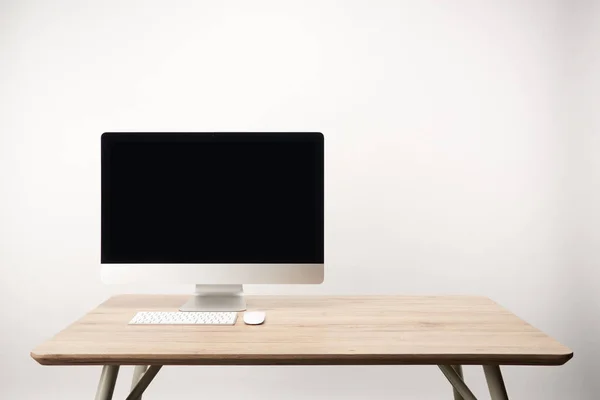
363	330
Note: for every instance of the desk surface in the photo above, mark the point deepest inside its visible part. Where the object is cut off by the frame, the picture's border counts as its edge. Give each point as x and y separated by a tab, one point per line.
309	330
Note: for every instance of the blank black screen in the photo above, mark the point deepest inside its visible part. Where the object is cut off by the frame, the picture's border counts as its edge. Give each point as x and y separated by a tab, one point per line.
212	198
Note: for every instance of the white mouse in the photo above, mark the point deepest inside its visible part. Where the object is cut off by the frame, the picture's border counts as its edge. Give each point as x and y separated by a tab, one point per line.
254	317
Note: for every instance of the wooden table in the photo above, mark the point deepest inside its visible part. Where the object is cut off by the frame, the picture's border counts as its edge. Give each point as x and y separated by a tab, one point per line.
448	331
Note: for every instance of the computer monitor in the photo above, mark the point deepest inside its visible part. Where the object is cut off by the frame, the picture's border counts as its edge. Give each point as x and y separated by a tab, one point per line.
213	209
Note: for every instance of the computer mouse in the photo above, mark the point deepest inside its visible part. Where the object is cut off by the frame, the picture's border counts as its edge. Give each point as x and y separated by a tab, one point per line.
254	317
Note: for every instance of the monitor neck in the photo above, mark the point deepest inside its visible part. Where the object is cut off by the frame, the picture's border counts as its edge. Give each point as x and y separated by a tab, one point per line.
216	298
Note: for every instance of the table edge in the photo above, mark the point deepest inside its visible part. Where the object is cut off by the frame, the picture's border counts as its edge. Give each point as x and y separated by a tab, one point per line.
305	359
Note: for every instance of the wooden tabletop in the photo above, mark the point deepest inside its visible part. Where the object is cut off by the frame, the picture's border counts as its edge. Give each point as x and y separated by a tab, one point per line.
309	330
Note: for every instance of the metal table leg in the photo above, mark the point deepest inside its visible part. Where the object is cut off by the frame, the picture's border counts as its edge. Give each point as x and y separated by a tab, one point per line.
106	386
493	376
457	382
142	384
138	372
459	372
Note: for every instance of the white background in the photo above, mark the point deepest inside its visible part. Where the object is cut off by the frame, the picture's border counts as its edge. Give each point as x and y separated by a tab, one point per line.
461	157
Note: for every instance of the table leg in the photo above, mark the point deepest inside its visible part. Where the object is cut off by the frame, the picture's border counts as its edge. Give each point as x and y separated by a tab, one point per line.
459	372
138	372
457	382
106	386
142	384
493	376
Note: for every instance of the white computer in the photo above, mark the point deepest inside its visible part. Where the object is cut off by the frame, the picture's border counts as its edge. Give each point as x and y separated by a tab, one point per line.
216	210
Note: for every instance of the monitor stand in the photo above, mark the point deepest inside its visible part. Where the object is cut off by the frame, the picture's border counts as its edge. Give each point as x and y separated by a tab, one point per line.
216	298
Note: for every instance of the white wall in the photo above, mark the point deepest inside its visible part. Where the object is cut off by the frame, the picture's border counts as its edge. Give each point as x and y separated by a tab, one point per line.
448	164
582	184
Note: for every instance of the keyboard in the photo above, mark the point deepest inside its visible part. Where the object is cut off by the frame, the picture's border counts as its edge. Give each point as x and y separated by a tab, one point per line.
183	318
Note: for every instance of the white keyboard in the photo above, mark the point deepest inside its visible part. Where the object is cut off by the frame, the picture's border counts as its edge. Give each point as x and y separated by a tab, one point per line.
183	318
